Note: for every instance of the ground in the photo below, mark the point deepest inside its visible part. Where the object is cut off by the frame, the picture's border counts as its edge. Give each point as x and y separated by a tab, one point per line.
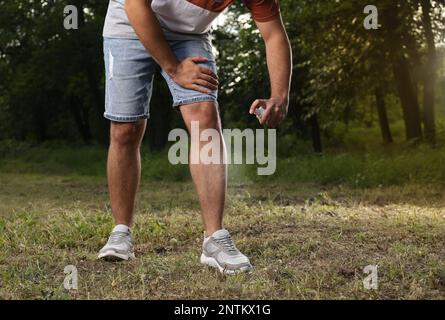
306	241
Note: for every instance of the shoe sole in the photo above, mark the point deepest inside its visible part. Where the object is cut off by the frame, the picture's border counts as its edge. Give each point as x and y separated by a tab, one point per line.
211	262
113	256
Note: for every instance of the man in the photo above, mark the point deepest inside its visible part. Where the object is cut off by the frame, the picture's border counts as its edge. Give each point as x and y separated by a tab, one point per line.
174	34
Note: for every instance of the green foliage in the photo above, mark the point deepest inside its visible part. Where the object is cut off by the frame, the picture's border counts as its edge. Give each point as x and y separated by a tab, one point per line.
51	84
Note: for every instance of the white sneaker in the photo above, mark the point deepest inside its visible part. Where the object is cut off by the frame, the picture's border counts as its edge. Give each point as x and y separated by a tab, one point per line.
119	246
219	251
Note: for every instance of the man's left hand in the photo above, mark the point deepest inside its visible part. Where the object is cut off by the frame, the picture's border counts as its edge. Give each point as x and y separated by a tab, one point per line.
275	110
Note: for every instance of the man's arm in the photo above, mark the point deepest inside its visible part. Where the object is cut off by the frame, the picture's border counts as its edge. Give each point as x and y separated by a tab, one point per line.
186	73
279	64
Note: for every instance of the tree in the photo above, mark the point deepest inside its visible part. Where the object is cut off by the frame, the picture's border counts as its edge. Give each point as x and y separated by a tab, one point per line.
430	74
383	116
52	79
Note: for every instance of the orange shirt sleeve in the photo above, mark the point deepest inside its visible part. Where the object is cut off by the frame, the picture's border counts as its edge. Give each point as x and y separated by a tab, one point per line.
263	10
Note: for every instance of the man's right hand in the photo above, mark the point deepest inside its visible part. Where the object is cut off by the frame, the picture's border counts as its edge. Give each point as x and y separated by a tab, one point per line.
186	73
190	75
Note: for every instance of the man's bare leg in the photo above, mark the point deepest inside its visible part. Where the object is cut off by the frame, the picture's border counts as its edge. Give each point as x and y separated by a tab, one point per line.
124	168
209	179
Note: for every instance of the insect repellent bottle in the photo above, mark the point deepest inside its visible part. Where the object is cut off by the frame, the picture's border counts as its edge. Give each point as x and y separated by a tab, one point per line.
259	112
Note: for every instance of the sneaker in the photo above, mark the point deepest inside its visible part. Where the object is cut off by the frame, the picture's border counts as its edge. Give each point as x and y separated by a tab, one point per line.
119	246
219	251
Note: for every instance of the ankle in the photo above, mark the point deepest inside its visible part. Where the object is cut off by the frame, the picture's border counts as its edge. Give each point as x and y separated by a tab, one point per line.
124	227
210	231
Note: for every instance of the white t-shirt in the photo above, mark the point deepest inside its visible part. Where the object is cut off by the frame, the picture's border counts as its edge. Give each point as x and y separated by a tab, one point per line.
182	18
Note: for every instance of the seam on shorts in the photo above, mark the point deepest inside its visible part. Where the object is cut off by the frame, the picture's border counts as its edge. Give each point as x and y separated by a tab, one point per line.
125	118
171	84
193	100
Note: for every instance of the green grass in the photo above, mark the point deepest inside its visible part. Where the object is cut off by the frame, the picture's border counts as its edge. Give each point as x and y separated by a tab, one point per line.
307	238
396	165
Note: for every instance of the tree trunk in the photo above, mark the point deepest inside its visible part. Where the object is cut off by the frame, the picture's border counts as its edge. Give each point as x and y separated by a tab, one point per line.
404	82
429	76
383	117
81	119
101	126
408	98
41	126
315	133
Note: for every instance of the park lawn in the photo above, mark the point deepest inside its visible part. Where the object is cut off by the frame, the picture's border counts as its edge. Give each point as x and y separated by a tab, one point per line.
306	241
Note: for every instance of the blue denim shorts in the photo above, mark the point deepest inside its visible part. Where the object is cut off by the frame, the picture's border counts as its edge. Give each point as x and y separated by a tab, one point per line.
129	71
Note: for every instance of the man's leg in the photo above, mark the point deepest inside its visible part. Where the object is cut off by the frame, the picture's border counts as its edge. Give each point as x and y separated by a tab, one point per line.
209	179
124	173
129	71
124	168
219	250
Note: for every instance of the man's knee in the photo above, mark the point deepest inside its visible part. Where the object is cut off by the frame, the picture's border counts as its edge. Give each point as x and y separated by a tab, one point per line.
205	112
127	134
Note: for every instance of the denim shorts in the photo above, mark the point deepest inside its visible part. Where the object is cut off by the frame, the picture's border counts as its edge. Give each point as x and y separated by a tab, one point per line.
129	71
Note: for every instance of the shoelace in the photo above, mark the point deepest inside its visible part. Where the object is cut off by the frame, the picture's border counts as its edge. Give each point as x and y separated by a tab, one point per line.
227	243
117	237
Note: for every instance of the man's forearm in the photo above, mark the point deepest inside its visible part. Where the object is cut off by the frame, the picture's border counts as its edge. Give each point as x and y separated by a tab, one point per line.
149	31
279	63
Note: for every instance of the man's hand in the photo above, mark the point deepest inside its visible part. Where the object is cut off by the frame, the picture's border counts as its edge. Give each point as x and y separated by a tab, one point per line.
190	75
186	73
275	110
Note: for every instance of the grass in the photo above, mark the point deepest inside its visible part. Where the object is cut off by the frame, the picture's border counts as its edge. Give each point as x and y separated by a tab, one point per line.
397	165
307	240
